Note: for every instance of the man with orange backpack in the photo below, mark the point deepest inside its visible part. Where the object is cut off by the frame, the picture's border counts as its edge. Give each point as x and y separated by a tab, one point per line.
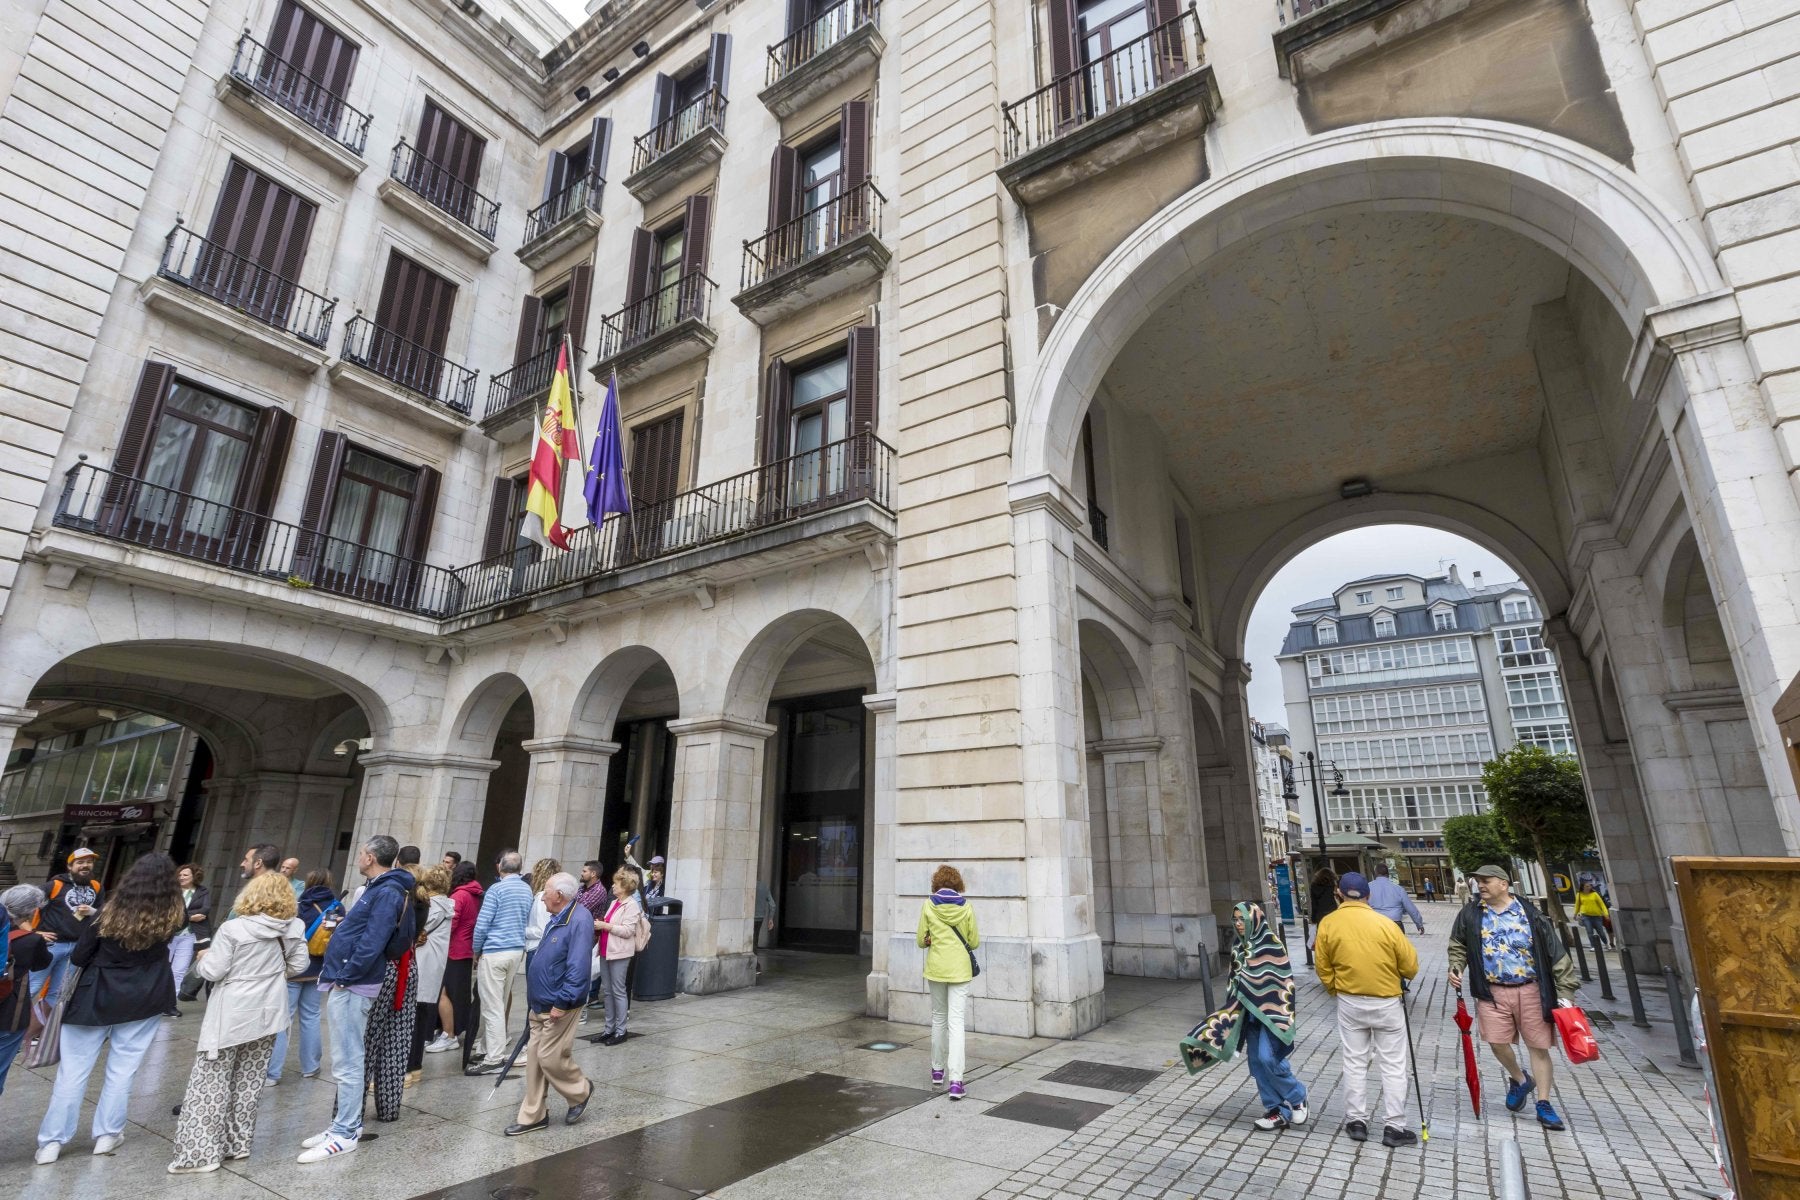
69	904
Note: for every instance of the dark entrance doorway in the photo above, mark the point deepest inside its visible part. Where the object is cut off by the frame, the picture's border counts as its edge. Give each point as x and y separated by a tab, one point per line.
821	830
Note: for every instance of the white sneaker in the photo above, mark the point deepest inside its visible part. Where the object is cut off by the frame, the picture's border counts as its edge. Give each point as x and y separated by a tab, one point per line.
269	1083
202	1169
440	1043
1298	1116
109	1143
48	1153
331	1147
317	1139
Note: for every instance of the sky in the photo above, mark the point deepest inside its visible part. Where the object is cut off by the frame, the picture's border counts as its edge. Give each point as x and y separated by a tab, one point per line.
1319	570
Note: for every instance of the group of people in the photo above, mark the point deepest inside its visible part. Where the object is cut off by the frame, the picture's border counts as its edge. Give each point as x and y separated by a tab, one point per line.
1502	950
413	960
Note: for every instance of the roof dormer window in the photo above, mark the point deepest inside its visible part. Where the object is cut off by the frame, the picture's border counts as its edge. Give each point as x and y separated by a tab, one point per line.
1443	618
1327	632
1384	625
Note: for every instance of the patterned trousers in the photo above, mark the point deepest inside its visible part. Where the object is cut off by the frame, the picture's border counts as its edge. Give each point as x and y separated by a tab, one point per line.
218	1114
389	1038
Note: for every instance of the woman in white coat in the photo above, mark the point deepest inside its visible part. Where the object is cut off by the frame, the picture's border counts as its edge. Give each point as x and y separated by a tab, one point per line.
249	963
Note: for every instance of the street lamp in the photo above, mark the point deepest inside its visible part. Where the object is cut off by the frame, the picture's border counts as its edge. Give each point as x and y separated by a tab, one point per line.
1313	766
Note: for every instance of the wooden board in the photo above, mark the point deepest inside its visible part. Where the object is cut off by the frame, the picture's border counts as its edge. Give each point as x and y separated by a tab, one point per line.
1743	930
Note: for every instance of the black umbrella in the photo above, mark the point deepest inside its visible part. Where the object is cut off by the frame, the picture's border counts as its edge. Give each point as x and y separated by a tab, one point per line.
518	1049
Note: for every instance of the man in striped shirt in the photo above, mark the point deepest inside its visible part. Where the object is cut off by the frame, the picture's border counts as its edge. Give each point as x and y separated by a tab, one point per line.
499	957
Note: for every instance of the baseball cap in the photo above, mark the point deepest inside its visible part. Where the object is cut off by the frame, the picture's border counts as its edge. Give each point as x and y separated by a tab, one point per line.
1353	886
1490	871
656	860
81	852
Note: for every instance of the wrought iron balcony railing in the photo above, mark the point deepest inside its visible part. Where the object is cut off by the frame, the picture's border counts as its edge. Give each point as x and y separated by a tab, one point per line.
811	234
819	35
249	287
307	98
1103	85
686	299
858	468
403	361
706	112
1097	524
125	509
434	183
528	381
580	193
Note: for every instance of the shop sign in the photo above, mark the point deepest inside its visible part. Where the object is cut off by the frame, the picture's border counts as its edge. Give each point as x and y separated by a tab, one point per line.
107	814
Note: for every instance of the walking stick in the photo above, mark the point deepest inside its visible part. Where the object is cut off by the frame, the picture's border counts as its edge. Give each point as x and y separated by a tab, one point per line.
1413	1057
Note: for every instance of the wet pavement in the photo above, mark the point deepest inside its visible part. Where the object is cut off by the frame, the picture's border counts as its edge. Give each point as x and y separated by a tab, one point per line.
774	1091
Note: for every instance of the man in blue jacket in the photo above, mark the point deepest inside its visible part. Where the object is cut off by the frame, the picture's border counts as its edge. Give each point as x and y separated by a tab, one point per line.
377	930
499	957
556	987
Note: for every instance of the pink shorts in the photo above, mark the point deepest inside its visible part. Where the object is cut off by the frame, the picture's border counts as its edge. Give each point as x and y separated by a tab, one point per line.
1514	1014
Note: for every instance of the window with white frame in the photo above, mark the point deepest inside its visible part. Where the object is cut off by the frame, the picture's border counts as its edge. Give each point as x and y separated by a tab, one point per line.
1516	608
1384	625
1444	618
1423	806
1429	656
1521	646
1327	631
1425	756
1365	597
1555	736
1396	593
1534	696
1400	708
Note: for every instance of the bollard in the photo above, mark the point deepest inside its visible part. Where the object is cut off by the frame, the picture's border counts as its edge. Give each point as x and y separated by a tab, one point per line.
1684	1037
1206	979
1580	955
1606	992
1631	985
1306	937
1513	1184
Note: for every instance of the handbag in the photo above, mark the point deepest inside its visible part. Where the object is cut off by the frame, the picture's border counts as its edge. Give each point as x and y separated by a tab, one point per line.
974	966
47	1050
1577	1035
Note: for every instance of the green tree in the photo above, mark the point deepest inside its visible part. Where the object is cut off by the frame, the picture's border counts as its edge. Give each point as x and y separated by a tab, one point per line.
1473	840
1540	808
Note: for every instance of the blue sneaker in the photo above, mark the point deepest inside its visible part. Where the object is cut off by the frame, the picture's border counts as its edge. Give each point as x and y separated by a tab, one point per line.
1547	1116
1518	1093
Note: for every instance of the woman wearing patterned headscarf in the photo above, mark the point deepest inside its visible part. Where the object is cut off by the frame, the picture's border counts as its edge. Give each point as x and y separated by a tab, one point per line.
1259	1016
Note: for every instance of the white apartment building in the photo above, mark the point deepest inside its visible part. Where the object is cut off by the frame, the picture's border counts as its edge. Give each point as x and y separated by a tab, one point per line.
950	340
1407	684
1274	760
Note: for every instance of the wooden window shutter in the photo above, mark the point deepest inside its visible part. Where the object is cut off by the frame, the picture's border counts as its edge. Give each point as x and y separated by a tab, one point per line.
865	374
416	538
599	147
718	62
1065	60
416	303
229	211
784	187
268	455
799	15
696	231
581	292
451	144
146	409
853	142
656	461
778	403
662	100
643	249
556	175
321	489
499	536
316	50
1170	55
531	311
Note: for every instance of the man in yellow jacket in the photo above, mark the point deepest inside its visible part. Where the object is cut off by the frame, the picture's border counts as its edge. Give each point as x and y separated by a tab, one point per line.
1362	959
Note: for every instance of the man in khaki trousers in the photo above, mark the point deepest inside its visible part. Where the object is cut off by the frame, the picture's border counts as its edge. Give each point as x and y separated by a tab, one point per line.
556	988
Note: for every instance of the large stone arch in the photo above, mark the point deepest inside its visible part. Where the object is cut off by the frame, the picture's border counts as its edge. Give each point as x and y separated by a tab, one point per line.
1555	192
603	693
1112	676
758	664
481	711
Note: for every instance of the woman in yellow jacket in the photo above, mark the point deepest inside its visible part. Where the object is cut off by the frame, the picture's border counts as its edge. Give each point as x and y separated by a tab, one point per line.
948	936
1591	911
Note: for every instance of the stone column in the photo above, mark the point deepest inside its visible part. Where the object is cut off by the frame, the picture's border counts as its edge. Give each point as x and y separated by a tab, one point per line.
299	813
881	709
434	801
1145	924
221	844
565	799
12	718
713	848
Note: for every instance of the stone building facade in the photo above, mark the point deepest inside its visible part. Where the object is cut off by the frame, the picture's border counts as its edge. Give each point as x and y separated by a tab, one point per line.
951	339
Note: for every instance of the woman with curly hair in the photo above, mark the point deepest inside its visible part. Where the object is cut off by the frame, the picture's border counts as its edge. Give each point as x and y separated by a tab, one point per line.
948	935
124	990
249	964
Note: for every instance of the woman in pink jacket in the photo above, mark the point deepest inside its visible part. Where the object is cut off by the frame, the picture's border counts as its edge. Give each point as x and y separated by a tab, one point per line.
613	949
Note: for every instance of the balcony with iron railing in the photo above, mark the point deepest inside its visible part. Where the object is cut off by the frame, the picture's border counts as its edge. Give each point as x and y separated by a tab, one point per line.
316	119
413	380
690	139
513	396
441	200
203	284
570	215
827	51
668	327
828	250
1142	95
121	508
804	496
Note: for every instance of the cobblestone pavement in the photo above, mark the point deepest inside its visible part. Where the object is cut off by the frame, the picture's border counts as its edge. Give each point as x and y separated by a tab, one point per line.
1637	1127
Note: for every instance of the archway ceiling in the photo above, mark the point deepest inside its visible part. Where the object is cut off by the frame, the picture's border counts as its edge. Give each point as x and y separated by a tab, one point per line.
1369	343
203	665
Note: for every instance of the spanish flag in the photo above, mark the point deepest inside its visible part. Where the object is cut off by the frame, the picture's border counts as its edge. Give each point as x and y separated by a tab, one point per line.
558	441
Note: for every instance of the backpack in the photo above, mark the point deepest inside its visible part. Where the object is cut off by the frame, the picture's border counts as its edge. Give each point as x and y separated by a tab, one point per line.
400	941
318	934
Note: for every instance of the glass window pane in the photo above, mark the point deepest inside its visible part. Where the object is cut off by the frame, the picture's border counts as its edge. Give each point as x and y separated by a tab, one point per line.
820	380
351	510
163	764
380	470
141	763
390	522
168	453
213	407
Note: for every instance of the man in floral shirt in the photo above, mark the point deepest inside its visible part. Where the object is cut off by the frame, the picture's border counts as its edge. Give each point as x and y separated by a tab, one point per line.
1518	970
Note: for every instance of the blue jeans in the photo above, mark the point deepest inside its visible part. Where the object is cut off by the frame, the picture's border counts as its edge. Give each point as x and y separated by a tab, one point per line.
80	1050
1275	1081
303	998
9	1049
349	1015
59	967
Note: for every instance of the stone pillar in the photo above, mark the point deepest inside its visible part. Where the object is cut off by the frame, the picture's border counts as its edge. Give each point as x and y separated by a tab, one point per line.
881	709
565	799
299	813
434	801
221	844
713	848
1150	936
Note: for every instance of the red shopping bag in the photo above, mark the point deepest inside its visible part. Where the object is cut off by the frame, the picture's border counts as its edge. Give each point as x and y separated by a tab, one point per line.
1577	1035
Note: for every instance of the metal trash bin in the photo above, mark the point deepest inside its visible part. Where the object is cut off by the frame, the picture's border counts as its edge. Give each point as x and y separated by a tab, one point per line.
657	966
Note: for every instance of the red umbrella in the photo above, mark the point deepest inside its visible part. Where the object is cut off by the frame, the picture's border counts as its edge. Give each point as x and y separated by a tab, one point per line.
1470	1075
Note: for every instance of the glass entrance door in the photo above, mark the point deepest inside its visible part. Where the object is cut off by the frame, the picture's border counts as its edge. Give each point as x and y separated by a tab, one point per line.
822	826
